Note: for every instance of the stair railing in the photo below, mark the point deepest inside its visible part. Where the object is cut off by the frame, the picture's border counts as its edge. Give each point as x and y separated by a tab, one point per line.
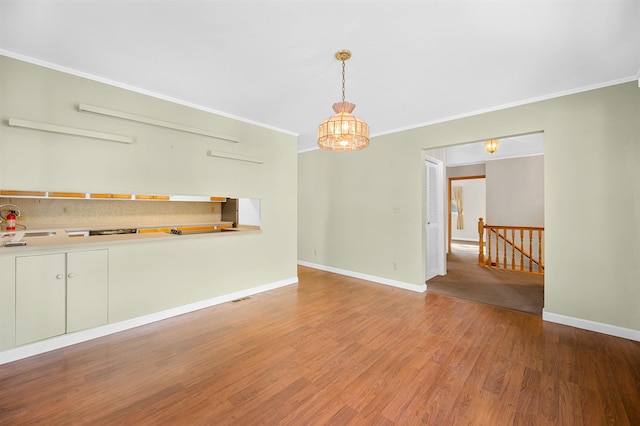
515	248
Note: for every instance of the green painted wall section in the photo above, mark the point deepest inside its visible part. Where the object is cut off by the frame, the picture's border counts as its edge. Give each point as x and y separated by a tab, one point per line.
346	213
160	161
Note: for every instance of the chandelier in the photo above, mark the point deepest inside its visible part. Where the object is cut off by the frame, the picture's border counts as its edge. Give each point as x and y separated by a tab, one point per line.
491	146
343	131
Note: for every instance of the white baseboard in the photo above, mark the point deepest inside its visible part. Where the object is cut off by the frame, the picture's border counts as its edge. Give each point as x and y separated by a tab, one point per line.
400	284
612	330
82	336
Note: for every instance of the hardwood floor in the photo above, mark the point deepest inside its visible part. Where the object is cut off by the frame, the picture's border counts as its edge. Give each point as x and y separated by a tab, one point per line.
333	350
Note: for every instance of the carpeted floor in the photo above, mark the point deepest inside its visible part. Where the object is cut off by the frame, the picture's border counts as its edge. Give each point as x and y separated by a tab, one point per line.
466	280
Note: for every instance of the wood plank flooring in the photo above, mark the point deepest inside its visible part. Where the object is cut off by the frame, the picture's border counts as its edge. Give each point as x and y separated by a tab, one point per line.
333	350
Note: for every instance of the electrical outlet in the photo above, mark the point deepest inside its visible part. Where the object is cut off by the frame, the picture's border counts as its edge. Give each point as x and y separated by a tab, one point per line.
315	252
396	210
395	265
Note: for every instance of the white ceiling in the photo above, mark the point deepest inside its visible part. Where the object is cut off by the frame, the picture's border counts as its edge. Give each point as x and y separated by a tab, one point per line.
272	62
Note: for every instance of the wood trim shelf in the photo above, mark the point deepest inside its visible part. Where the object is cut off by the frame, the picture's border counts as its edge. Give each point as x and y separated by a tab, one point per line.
152	197
103	196
67	194
118	196
9	193
153	230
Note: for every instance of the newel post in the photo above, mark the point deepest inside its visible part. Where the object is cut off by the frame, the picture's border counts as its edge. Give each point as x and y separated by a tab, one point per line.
481	242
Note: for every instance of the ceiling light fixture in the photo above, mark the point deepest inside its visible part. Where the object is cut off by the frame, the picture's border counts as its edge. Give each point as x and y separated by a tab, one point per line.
491	146
343	131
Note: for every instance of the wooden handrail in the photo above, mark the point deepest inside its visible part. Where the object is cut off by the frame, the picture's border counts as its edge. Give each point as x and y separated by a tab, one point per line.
526	228
531	236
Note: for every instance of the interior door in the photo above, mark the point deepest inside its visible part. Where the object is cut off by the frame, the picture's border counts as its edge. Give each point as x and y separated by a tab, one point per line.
432	217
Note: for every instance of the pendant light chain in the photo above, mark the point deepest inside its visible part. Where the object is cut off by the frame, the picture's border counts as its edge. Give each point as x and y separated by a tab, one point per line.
343	80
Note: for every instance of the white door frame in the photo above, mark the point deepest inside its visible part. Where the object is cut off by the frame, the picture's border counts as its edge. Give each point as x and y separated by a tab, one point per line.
440	257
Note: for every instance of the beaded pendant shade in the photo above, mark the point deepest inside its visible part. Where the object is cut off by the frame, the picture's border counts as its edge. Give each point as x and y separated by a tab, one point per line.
491	146
343	131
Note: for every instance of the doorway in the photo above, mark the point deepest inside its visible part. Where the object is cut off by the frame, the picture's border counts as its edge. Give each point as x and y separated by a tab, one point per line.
467	202
464	277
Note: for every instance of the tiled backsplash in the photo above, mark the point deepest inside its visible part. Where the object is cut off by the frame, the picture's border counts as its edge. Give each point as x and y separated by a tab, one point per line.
40	213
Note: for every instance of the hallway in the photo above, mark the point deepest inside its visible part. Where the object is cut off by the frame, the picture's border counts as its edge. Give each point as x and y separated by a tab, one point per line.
466	280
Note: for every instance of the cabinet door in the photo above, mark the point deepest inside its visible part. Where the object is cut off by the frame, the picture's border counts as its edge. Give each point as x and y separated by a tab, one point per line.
86	289
40	297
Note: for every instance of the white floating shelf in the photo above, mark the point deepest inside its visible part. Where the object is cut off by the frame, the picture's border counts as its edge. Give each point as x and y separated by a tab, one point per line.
54	128
154	122
237	157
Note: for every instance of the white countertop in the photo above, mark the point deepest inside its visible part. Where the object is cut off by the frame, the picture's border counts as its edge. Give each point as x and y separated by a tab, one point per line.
62	240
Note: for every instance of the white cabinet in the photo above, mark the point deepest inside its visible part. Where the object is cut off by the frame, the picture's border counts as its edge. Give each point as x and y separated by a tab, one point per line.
60	293
87	281
40	297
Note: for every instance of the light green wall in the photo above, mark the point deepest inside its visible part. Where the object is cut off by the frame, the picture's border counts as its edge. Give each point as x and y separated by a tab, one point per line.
185	271
592	201
161	161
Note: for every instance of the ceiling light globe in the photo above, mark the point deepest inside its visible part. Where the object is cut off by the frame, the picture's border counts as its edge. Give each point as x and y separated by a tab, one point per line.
491	146
343	131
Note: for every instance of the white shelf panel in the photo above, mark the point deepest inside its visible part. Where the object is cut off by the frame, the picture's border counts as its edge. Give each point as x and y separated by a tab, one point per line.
54	128
154	122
